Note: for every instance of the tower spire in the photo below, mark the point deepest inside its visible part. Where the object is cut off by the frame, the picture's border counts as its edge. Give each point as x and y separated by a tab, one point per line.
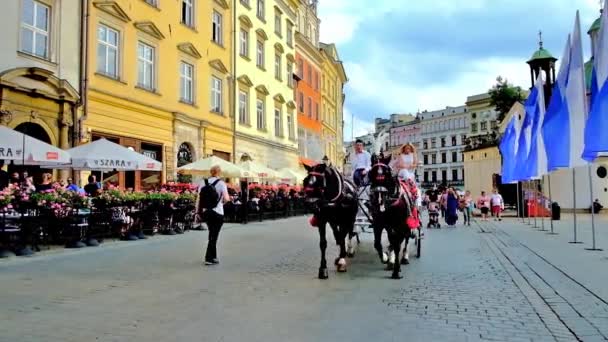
540	39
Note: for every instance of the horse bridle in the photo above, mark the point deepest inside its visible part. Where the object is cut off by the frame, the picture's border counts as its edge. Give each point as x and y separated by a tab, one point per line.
324	179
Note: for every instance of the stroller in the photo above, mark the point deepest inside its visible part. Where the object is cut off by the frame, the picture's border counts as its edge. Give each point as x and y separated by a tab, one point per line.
433	210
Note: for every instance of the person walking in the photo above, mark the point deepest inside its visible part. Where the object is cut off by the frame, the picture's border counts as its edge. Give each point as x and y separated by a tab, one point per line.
467	207
213	193
483	203
451	211
498	205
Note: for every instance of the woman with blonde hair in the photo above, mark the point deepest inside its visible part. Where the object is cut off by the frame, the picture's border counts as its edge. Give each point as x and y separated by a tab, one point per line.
406	162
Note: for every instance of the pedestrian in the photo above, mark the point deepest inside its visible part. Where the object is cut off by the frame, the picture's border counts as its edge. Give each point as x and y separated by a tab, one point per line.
467	207
498	205
213	193
444	202
47	183
451	211
483	203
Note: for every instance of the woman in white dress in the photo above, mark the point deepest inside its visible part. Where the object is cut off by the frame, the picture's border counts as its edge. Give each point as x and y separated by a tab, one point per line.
406	162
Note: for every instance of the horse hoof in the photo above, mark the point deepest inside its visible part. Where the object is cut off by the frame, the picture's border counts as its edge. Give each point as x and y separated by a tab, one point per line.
405	261
350	255
341	269
323	273
396	276
384	258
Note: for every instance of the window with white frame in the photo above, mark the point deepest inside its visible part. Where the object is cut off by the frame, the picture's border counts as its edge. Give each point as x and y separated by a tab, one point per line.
309	107
107	51
243	107
300	102
290	125
261	114
261	12
277	66
216	95
289	33
35	24
260	54
145	65
217	28
188	12
186	82
244	43
290	74
277	24
278	129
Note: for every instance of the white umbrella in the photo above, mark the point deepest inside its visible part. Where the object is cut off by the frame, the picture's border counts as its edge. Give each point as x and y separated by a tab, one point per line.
290	175
258	170
21	148
203	166
104	155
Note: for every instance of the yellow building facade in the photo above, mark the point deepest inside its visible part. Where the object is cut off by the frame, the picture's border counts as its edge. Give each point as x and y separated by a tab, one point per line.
333	80
264	52
159	81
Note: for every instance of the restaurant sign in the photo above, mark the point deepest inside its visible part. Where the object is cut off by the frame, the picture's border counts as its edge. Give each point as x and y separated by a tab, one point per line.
112	163
7	152
149	154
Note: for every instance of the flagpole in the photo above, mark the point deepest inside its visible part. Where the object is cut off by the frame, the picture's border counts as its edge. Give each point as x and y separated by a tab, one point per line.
535	198
527	199
593	246
542	199
518	202
574	204
551	205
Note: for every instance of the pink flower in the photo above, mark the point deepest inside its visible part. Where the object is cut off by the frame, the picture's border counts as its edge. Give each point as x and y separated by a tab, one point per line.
10	206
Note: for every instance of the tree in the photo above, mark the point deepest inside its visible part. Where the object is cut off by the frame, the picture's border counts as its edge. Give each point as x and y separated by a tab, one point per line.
503	96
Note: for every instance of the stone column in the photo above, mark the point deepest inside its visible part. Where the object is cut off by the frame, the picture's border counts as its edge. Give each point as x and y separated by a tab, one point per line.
64	130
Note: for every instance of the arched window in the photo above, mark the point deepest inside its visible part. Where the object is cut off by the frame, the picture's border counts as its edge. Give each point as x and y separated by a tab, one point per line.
184	154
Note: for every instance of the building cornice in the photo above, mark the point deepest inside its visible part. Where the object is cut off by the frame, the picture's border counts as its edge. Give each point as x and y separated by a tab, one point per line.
309	50
266	142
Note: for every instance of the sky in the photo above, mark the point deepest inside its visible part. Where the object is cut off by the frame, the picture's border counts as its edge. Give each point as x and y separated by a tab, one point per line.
404	56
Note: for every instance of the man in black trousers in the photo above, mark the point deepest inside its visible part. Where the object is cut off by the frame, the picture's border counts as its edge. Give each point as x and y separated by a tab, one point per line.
213	217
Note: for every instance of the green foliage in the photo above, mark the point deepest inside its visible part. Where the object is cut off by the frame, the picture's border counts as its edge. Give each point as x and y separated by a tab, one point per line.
503	95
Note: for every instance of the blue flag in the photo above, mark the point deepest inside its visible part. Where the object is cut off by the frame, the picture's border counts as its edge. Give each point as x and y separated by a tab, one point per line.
508	148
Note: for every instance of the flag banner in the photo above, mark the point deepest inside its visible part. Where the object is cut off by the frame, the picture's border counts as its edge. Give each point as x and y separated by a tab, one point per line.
556	119
596	139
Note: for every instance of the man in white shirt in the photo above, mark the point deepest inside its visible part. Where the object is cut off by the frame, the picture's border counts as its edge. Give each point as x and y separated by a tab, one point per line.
362	163
214	217
498	205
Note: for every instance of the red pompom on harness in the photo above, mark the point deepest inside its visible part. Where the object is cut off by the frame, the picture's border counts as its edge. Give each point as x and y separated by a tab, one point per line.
410	189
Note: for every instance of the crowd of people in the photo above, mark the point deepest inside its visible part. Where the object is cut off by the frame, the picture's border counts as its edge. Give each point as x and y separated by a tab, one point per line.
449	202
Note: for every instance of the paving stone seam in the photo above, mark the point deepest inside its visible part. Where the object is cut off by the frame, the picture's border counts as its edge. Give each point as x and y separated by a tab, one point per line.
549	317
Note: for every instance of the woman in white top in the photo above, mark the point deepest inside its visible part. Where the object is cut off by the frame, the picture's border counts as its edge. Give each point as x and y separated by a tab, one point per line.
405	163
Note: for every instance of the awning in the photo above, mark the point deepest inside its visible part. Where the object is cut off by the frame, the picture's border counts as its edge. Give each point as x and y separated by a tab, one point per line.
104	155
308	162
202	167
23	149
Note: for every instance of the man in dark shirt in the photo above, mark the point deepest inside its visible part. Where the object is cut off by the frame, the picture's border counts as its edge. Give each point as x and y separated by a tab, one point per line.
92	189
3	176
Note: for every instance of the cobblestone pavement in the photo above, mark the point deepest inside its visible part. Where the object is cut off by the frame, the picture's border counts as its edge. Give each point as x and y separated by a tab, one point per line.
468	286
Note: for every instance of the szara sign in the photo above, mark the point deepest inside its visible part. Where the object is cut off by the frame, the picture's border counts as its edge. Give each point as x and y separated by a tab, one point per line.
112	163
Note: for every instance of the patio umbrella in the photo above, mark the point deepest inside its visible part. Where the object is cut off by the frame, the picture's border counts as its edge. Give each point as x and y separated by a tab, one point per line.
23	149
289	175
203	166
258	170
104	155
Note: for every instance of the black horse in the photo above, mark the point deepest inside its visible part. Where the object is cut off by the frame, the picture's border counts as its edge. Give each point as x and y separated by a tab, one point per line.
334	202
390	206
